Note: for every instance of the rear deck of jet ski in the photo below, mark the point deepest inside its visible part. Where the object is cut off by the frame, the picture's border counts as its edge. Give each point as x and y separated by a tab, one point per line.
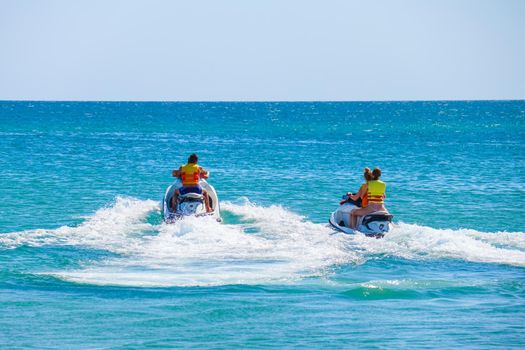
195	201
377	216
375	224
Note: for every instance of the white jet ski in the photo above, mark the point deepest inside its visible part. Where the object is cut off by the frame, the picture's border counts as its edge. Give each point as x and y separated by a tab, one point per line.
190	204
375	224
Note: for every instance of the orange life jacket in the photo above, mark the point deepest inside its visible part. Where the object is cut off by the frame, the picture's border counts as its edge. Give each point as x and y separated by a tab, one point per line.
364	197
190	174
364	200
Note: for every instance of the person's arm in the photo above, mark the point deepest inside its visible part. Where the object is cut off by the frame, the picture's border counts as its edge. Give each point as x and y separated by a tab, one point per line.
359	194
204	173
176	173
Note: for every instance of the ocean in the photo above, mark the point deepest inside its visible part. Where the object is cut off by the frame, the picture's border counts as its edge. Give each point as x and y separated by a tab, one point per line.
86	261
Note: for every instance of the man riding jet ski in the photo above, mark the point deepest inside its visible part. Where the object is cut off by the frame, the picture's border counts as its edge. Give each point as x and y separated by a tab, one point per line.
364	211
190	194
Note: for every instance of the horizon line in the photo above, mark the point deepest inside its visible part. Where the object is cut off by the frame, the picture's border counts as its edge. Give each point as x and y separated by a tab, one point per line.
270	101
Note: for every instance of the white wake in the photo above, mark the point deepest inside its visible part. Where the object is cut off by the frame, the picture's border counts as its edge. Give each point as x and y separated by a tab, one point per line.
268	245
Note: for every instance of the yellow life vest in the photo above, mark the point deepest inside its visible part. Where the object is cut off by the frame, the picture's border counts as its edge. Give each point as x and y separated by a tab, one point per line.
376	191
190	174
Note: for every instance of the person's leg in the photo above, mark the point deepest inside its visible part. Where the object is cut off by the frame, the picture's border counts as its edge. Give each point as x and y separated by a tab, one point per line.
174	200
353	219
206	201
359	212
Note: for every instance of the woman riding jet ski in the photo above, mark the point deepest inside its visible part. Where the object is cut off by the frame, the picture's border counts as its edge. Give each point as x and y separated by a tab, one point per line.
364	211
190	194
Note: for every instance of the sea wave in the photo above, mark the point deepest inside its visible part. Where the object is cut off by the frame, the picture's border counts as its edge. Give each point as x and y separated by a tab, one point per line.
256	245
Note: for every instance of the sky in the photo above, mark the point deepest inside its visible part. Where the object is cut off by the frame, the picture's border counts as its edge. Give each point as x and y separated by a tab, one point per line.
266	50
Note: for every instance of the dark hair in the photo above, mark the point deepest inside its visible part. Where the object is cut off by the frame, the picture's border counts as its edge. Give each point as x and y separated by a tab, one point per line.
376	173
193	158
368	174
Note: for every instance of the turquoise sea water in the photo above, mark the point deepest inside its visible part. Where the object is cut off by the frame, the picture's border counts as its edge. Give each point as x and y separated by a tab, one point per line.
85	261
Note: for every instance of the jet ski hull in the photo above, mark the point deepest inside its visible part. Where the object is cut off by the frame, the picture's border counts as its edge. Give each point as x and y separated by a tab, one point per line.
191	204
375	224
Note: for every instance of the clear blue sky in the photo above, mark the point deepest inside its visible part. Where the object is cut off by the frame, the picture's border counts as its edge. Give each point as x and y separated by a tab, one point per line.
262	50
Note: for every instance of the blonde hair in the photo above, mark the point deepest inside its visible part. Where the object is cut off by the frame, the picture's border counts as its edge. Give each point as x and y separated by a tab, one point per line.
368	174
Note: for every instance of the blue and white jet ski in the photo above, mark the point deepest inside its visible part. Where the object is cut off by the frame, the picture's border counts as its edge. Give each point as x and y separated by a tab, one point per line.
375	224
190	204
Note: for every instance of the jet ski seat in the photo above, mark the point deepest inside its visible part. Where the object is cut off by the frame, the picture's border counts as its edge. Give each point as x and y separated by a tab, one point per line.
377	216
191	197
